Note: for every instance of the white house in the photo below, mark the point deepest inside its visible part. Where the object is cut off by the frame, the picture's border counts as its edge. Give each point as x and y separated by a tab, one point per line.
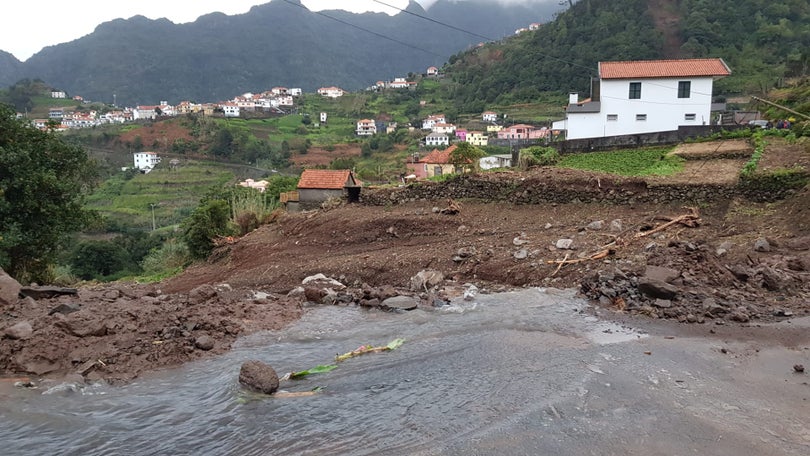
489	116
644	97
144	112
230	109
444	128
331	92
58	94
296	91
145	161
323	117
437	139
432	71
366	127
428	123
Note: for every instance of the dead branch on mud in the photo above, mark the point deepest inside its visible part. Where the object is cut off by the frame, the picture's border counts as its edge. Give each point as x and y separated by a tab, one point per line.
453	207
691	220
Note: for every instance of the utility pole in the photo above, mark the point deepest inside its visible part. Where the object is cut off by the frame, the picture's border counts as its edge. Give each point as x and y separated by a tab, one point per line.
153	215
781	107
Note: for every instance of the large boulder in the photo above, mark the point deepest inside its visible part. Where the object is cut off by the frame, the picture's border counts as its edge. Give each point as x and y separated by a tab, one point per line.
9	289
657	289
47	292
259	377
400	303
661	273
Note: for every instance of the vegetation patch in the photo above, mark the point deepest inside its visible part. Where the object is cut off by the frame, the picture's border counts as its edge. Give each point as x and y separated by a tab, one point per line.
632	162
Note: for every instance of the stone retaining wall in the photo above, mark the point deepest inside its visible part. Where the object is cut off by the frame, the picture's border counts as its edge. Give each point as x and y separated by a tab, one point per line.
537	191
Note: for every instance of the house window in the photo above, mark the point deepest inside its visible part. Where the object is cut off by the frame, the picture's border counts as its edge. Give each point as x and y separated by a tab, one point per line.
635	90
689	116
612	117
641	117
684	89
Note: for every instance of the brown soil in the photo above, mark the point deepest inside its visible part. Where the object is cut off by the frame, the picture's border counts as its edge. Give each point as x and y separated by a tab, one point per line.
125	329
158	136
317	156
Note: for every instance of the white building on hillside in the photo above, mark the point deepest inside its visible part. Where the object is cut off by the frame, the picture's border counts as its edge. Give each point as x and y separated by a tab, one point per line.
145	161
644	97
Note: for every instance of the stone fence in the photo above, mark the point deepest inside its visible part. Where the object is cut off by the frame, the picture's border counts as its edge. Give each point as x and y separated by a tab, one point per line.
536	190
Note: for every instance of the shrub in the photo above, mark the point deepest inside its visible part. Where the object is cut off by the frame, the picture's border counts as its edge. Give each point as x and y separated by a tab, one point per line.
538	156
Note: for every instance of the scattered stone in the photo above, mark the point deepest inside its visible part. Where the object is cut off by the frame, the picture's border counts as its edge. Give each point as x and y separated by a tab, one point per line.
762	245
798	368
691	318
662	303
83	324
596	225
372	302
740	316
521	254
616	226
650	246
46	292
9	289
656	289
321	281
548	226
64	309
470	292
723	248
520	240
463	254
796	264
565	244
259	377
772	280
436	210
400	303
426	279
201	294
19	331
204	342
661	273
782	313
741	272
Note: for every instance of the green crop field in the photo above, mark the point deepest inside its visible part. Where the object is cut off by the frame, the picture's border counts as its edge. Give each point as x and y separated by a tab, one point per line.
633	162
173	192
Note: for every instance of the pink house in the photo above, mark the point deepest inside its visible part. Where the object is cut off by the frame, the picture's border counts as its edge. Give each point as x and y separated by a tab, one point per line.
519	131
461	135
432	71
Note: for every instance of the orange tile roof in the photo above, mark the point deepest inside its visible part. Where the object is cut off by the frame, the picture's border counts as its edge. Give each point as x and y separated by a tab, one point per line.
325	179
663	68
438	157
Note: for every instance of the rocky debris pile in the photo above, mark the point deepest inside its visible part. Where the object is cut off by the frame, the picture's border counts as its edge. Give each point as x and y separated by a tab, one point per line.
694	284
114	332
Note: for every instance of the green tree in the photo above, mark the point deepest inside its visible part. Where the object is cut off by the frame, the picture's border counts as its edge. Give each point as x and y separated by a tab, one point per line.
465	155
209	220
43	181
100	259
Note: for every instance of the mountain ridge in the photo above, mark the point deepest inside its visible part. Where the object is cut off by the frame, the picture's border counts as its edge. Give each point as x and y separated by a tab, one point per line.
143	60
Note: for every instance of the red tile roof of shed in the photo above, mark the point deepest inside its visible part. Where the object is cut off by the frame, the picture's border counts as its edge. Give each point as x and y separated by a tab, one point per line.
439	157
663	68
326	179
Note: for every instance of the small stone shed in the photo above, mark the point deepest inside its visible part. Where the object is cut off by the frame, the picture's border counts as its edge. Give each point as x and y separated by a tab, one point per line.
319	185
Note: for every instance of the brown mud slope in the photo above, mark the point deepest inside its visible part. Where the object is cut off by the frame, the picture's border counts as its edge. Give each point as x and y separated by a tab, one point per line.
734	263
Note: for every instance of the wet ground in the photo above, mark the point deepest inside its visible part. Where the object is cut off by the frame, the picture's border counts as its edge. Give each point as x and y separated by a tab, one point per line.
529	372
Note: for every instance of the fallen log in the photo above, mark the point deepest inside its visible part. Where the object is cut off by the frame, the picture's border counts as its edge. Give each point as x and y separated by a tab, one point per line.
692	219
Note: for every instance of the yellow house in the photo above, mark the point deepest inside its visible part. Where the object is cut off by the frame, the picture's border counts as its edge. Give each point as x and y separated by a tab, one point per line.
494	128
477	138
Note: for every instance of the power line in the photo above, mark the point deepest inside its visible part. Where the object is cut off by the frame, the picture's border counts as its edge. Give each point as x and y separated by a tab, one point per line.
435	21
569	62
365	29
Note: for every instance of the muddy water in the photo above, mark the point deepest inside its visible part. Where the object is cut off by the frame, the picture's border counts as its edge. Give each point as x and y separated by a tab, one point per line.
515	373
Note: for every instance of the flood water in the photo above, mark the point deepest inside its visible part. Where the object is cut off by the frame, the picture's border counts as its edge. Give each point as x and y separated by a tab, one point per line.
513	373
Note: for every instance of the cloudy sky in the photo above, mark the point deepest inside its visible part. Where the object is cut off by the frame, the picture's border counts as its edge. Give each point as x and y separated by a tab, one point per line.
30	25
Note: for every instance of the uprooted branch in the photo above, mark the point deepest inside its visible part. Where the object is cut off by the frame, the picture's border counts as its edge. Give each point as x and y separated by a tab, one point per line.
692	219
